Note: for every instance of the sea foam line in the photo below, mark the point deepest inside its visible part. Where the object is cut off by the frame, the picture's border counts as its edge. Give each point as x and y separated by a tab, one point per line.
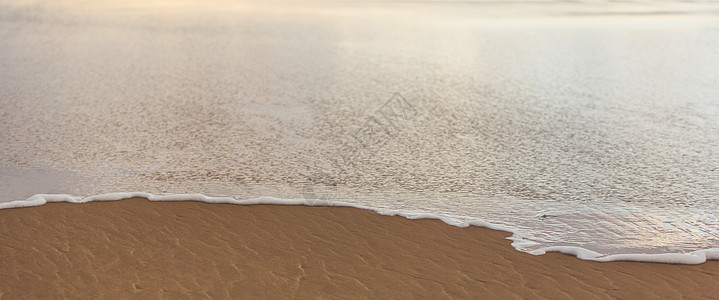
519	243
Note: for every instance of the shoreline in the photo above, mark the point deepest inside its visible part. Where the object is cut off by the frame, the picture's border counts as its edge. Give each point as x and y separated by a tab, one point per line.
136	247
686	258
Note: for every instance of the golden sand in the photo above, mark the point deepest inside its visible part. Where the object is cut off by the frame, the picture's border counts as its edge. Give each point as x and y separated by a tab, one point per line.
138	248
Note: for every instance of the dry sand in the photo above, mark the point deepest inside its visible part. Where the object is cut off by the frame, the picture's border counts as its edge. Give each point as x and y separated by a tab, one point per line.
138	248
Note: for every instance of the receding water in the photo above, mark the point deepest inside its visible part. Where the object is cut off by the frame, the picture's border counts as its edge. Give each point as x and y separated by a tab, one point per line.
589	125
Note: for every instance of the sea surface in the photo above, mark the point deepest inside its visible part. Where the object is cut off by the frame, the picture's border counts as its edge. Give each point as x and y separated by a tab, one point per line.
590	128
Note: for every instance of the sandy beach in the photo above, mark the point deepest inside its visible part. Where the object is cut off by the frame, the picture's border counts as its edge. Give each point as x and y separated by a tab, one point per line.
138	248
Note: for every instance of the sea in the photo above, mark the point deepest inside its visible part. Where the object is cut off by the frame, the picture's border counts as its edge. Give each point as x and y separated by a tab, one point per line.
584	127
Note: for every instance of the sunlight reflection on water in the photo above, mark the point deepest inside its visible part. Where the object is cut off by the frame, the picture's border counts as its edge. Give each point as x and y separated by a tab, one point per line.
593	130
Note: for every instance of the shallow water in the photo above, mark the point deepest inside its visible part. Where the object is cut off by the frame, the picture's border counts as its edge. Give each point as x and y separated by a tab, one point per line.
589	125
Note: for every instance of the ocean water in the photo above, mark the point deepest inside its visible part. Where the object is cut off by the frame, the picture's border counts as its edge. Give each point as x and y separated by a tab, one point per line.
590	128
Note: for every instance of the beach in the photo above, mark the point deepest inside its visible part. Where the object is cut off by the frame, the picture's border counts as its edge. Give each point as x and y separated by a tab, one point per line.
359	149
584	125
143	249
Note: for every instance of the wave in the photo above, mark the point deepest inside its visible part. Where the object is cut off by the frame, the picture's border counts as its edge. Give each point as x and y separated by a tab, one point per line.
519	243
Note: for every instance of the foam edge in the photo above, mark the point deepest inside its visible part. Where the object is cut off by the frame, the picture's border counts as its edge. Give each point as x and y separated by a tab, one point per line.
519	243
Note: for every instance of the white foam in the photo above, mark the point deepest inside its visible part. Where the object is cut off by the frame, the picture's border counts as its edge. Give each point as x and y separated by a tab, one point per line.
519	242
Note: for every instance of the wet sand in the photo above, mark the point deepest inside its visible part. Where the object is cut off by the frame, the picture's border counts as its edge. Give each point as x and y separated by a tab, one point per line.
138	248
